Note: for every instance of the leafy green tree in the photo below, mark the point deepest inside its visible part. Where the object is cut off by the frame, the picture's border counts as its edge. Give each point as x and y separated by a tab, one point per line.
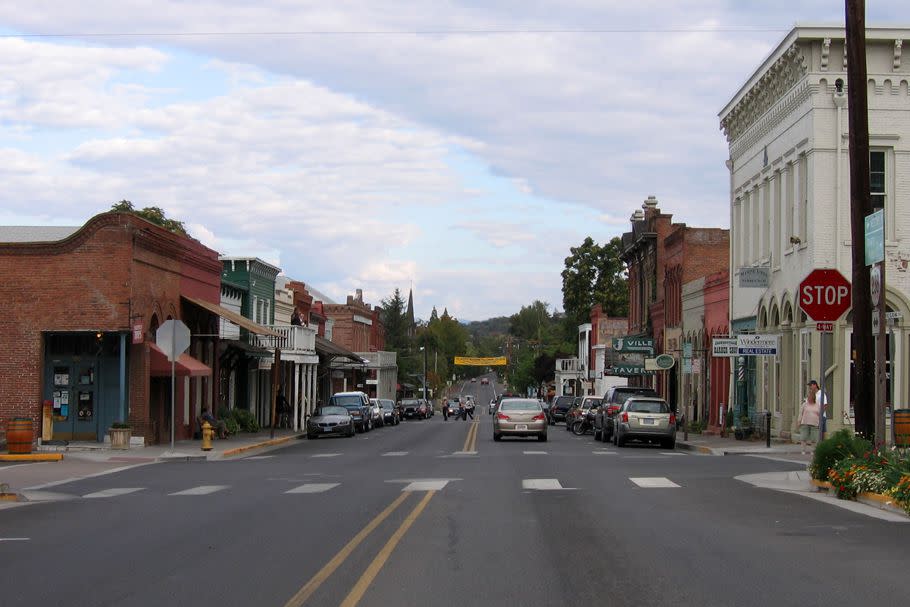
154	214
594	274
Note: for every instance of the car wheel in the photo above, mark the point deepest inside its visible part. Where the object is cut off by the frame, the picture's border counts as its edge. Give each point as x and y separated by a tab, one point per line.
311	436
620	441
614	439
597	434
669	444
497	437
351	433
542	438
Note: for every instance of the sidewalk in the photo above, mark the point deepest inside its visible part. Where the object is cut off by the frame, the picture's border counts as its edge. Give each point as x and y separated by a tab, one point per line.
717	445
87	459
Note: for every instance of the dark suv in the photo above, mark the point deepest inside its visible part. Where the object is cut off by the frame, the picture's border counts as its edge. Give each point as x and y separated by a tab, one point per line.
358	405
611	403
559	407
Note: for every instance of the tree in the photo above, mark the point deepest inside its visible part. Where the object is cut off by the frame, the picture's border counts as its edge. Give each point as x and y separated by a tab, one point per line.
594	274
531	322
395	322
154	214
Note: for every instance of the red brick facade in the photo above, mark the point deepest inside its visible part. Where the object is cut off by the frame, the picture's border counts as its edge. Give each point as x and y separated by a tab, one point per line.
116	272
358	327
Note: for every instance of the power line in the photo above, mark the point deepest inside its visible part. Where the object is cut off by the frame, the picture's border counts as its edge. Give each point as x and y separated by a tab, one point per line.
429	32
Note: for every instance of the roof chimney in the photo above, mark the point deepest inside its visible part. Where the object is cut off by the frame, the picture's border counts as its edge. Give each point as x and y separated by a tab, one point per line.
359	295
638	215
650	203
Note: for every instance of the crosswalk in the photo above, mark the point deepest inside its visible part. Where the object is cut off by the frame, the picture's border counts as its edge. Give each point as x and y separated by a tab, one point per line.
528	485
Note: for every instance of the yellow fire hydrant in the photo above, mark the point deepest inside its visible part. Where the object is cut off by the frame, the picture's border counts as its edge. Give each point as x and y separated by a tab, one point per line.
207	434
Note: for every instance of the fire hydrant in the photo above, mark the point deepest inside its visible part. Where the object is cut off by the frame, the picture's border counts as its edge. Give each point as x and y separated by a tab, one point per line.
207	434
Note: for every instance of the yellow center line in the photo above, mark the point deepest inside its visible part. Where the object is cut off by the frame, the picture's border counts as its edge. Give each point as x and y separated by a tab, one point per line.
323	574
474	437
467	439
373	570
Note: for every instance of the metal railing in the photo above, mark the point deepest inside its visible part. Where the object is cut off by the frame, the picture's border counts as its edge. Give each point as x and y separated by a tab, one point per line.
292	338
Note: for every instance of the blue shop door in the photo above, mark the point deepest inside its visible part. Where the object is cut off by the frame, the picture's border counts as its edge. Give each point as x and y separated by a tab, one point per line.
72	390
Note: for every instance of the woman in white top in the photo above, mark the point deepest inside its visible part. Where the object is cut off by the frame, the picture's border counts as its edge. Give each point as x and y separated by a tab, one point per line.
810	413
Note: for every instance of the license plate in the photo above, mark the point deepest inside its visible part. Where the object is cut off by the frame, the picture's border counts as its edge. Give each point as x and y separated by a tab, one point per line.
521	426
648	421
327	429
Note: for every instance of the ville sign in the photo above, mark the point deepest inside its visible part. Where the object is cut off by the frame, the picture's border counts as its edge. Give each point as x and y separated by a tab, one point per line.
824	295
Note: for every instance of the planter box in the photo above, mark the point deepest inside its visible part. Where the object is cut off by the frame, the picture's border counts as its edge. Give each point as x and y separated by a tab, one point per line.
120	437
877	500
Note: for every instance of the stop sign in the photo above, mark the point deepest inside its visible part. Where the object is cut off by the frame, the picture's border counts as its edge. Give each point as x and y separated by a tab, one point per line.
173	337
824	295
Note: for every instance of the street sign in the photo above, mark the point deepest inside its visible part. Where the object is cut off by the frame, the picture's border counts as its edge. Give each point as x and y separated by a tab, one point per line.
893	315
875	323
665	361
824	295
723	347
756	345
758	277
824	327
173	337
875	284
874	231
633	344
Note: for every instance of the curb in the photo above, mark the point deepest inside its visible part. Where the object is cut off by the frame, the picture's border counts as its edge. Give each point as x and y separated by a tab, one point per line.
268	443
877	500
697	448
31	457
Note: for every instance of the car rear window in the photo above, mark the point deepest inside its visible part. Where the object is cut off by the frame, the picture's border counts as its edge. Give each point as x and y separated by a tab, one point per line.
563	401
519	405
346	401
620	396
648	406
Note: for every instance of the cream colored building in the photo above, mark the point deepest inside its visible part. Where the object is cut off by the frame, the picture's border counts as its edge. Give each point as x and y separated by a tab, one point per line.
787	132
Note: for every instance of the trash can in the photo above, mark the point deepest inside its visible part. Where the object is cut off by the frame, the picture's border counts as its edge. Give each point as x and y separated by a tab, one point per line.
19	432
902	428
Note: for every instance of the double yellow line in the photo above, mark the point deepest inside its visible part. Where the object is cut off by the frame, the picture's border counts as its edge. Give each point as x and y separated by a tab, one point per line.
470	441
357	592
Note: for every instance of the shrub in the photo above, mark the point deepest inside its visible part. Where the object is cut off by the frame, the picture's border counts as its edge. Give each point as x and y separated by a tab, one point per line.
245	420
841	445
843	476
901	492
231	425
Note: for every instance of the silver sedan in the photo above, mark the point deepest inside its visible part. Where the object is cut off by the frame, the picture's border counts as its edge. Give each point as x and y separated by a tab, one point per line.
332	420
520	417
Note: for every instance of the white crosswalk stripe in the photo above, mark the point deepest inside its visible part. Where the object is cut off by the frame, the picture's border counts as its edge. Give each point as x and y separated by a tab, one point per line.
604	452
543	484
313	488
671	453
260	457
655	482
434	485
326	455
113	492
201	490
395	454
535	452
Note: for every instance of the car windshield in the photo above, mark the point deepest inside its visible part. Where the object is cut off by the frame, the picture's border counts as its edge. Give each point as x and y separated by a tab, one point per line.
332	411
349	401
648	406
519	405
387	406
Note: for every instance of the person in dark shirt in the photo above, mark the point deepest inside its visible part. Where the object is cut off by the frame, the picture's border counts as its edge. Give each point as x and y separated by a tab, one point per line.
218	424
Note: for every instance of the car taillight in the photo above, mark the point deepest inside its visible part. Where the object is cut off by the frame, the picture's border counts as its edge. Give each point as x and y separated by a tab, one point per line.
503	417
612	410
672	420
625	417
538	418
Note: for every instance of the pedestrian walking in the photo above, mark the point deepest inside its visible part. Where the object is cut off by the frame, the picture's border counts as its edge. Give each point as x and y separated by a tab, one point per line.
810	415
461	411
445	411
469	410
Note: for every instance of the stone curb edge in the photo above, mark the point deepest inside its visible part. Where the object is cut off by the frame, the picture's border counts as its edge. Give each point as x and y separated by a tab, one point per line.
877	500
698	448
31	457
268	443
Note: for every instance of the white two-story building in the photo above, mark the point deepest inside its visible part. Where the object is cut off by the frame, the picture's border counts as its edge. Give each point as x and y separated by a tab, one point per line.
787	131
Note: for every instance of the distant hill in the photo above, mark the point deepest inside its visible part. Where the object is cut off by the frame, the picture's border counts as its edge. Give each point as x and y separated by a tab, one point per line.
491	326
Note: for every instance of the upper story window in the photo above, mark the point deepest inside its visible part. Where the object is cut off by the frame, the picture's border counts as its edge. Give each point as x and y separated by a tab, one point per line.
877	181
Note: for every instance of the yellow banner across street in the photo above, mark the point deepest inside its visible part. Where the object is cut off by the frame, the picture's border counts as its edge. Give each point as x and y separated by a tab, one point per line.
473	361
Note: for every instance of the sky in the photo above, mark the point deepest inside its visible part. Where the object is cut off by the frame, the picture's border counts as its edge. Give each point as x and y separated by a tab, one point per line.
459	148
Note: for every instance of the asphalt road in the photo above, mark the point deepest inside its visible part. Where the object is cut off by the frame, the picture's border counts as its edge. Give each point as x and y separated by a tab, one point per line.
338	522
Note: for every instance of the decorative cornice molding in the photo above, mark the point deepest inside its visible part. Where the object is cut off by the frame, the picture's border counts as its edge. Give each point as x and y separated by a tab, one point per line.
772	117
781	77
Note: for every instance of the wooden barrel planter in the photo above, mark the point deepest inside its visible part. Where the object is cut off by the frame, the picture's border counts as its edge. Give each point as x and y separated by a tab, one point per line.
19	433
902	427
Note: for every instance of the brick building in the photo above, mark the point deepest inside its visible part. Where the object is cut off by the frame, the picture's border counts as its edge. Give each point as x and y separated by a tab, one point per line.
662	257
81	308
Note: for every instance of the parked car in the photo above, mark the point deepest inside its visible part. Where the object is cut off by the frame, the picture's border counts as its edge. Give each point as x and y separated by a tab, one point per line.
330	421
452	405
611	402
559	407
414	408
389	412
376	413
647	419
520	417
359	406
484	381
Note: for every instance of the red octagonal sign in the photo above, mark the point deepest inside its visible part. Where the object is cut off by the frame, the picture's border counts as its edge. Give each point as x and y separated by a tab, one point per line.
824	295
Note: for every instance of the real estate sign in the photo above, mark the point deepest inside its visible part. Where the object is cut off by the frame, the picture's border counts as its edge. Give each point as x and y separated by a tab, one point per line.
757	345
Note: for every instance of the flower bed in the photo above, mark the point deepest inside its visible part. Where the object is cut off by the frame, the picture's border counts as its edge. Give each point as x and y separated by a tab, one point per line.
852	467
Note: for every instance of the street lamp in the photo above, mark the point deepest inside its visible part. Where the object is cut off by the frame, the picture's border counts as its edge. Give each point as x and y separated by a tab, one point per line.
424	350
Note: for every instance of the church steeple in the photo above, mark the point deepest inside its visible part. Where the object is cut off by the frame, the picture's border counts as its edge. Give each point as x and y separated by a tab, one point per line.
412	326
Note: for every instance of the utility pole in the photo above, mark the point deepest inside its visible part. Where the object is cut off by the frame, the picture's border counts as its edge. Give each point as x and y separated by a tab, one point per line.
424	350
860	206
